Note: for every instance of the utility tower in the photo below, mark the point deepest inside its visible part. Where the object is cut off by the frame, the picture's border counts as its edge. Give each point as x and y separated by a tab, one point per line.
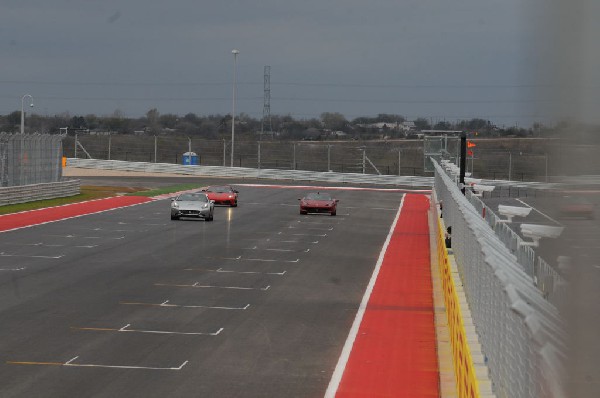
266	118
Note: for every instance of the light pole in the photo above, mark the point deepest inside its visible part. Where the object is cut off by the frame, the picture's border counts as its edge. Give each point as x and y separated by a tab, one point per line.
235	53
23	111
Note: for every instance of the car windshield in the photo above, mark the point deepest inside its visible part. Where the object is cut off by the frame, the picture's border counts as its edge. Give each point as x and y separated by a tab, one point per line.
318	196
192	197
219	189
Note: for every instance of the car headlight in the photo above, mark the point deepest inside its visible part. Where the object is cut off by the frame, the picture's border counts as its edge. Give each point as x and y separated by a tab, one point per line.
175	205
231	196
205	206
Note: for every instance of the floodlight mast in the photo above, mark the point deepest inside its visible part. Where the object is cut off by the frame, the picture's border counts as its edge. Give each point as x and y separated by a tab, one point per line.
235	54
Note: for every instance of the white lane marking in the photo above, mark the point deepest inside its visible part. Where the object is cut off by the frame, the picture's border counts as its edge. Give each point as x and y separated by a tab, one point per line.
336	378
266	260
543	214
13	269
2	254
228	258
106	229
165	304
41	244
279	241
295	241
240	272
126	329
197	285
317	222
33	244
87	237
318	235
315	228
276	250
70	363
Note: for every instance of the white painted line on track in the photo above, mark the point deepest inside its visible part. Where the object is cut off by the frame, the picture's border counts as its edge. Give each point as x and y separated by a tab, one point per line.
294	241
199	286
166	304
266	260
276	250
318	222
41	244
336	378
127	329
71	363
270	260
2	254
13	269
315	228
87	237
33	244
239	272
317	235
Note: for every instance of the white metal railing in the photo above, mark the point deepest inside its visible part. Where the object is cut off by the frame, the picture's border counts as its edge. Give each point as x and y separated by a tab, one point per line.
244	172
32	192
521	333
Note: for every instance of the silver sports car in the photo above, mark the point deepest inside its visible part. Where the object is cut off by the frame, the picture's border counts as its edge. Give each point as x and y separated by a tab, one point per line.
192	205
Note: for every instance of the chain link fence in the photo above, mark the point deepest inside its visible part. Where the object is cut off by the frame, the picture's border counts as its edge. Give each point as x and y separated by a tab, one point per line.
517	160
30	159
521	333
368	157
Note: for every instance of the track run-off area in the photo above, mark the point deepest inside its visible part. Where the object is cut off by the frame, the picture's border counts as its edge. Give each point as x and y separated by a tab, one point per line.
111	298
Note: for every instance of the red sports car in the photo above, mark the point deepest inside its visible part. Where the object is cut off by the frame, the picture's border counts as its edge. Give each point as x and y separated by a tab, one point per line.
222	195
317	202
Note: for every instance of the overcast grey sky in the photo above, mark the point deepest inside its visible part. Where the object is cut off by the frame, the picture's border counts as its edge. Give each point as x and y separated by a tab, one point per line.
431	58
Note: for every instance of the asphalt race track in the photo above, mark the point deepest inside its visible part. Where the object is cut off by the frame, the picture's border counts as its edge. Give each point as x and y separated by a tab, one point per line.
128	303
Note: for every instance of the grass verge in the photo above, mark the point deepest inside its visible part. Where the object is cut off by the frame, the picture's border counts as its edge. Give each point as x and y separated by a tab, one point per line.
93	192
165	190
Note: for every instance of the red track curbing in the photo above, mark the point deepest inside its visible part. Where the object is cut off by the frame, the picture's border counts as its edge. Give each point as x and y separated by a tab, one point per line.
394	353
27	218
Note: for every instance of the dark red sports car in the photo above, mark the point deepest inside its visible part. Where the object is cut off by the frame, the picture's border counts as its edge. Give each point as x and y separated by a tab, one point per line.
318	202
222	195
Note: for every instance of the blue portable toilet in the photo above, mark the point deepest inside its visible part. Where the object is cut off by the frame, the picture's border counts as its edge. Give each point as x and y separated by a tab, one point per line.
190	159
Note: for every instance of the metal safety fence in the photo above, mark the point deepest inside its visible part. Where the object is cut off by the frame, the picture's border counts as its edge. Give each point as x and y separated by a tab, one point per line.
30	159
245	172
365	157
33	192
521	333
552	285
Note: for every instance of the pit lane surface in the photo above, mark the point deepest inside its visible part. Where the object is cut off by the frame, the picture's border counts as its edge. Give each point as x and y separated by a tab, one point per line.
129	303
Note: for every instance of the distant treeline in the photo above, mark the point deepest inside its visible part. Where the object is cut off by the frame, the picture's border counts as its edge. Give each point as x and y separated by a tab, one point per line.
284	127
